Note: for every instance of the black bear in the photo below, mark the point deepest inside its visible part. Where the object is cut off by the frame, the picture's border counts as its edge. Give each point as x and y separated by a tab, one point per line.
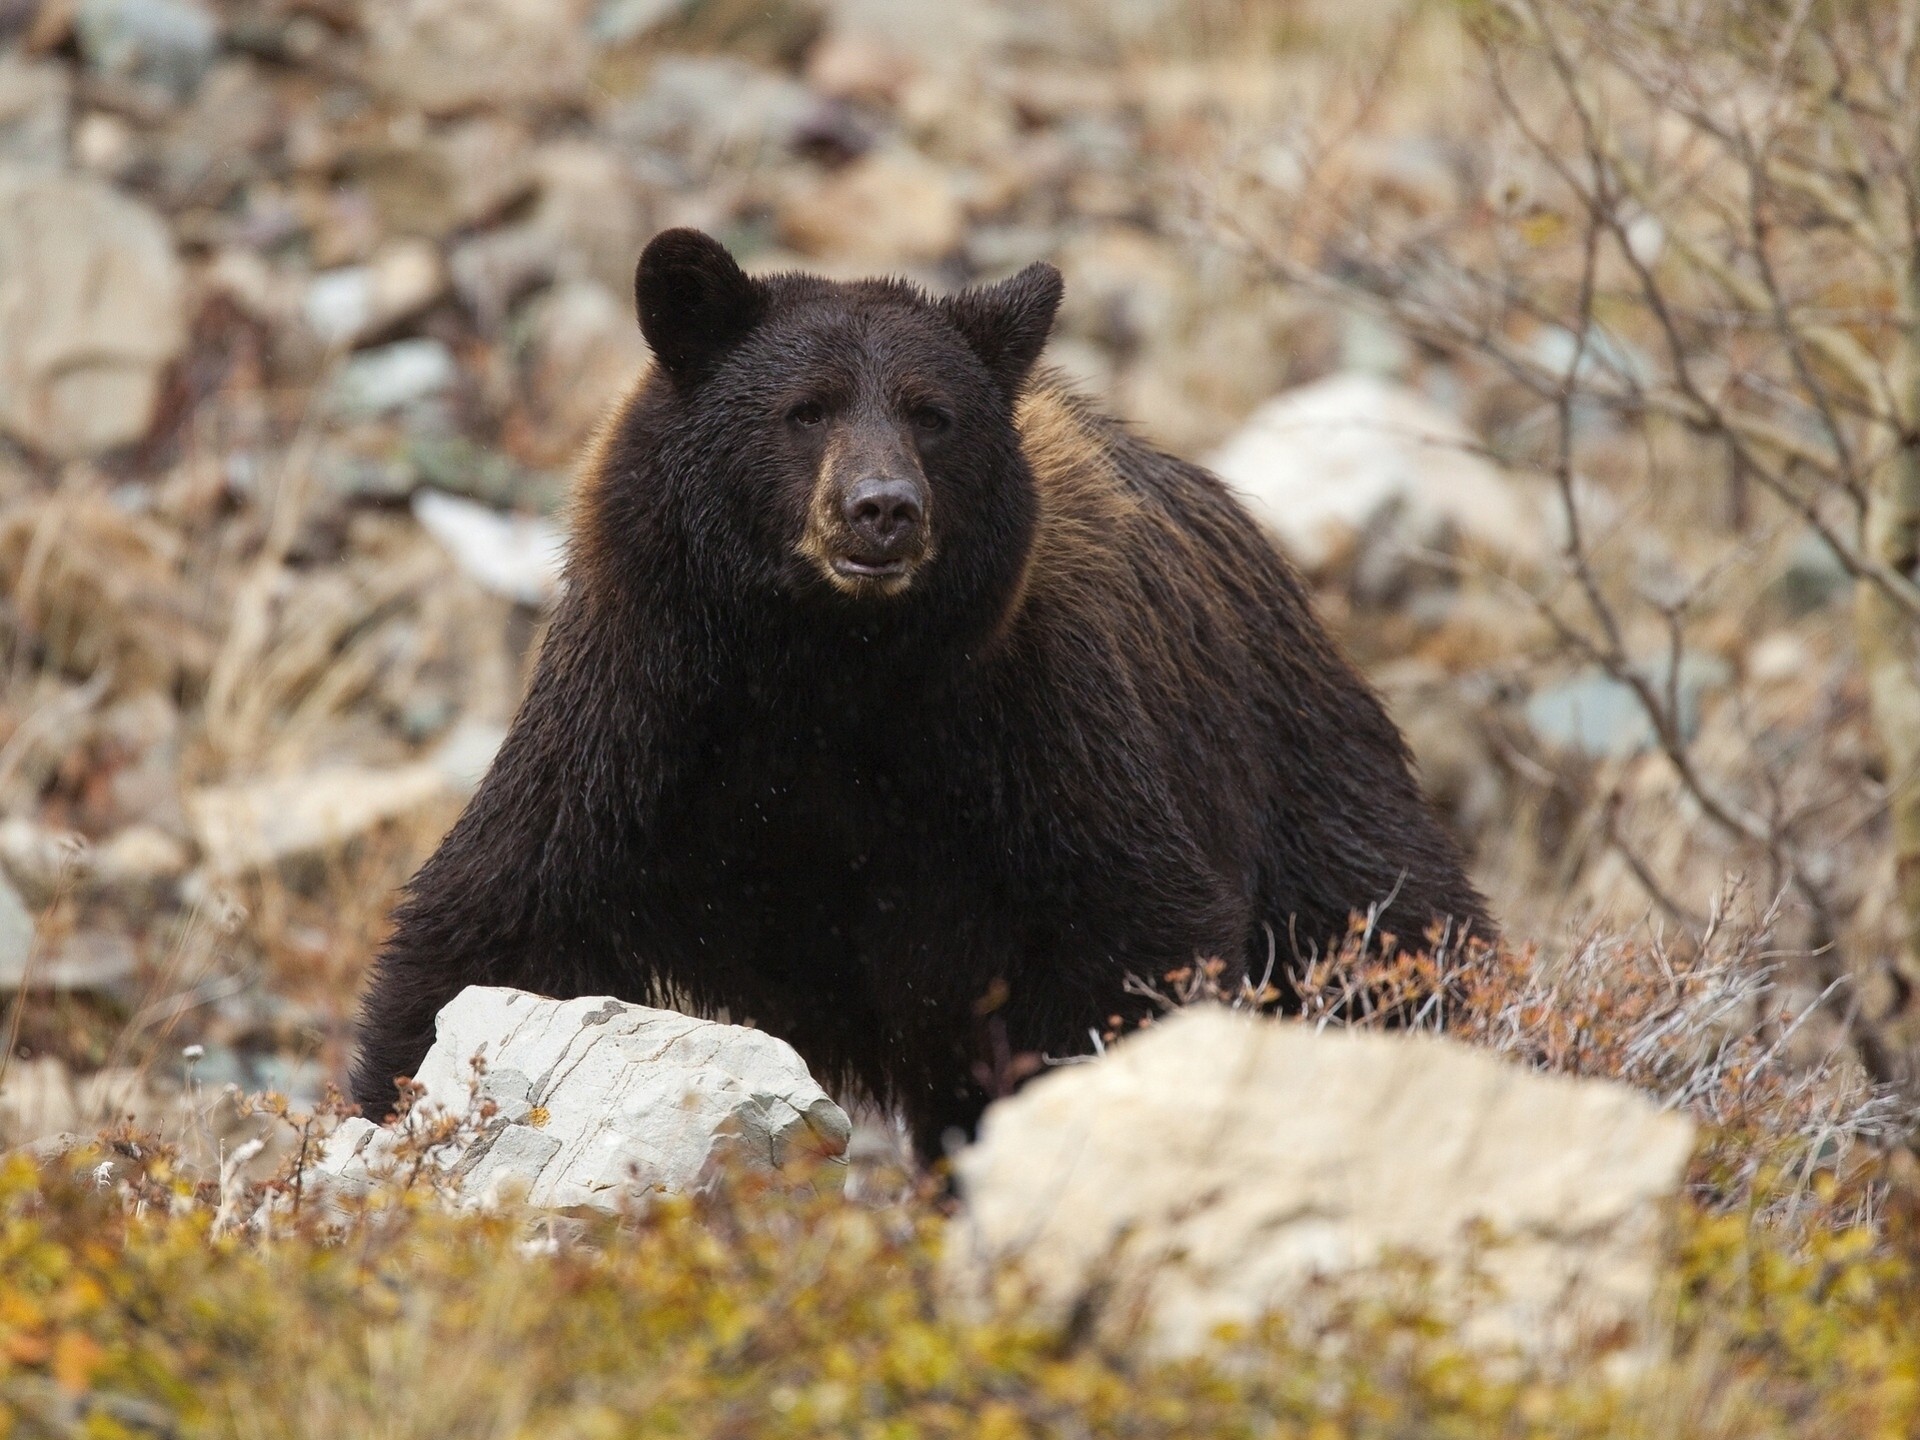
903	705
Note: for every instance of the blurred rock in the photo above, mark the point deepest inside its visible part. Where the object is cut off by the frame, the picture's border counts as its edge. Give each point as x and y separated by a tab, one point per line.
494	270
444	56
1122	288
617	21
1602	717
586	222
1444	721
859	65
1812	577
252	825
1779	658
601	1102
584	352
392	377
42	862
889	207
85	960
16	936
516	556
357	302
141	734
589	212
709	111
1345	457
91	314
462	466
166	43
42	1098
139	865
214	148
1183	1181
434	183
35	105
106	145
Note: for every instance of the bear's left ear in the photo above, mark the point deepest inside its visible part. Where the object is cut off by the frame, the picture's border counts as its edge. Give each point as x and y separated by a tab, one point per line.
1007	324
695	303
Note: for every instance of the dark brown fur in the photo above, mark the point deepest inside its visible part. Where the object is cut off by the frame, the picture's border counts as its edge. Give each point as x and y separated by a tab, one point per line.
1096	734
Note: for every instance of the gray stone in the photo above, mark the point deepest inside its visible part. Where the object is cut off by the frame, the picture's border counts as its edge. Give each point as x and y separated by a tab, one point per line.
169	43
599	1102
617	21
91	313
35	105
1602	717
16	936
1206	1171
1812	577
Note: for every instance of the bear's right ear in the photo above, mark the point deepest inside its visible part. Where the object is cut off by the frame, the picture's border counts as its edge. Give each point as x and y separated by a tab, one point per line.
694	302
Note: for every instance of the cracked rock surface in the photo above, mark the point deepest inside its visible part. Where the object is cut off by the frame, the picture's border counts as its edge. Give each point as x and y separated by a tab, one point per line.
596	1099
1216	1166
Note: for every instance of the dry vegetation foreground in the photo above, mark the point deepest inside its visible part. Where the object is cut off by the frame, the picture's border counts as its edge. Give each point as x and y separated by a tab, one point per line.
305	308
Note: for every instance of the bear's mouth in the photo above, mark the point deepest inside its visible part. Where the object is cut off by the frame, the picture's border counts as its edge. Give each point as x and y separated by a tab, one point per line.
861	567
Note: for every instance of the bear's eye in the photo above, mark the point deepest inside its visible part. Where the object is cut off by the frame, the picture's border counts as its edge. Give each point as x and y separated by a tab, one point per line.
807	412
928	419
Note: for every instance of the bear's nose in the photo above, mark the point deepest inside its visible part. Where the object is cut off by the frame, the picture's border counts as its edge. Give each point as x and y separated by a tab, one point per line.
884	511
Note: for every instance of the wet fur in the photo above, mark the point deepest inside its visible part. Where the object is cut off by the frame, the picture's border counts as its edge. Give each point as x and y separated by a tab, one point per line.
919	838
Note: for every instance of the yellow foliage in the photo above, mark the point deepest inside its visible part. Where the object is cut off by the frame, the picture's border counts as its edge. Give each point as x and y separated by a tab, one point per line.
763	1313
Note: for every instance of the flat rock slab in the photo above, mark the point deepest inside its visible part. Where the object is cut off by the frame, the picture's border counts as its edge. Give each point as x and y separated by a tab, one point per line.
1201	1172
91	313
598	1100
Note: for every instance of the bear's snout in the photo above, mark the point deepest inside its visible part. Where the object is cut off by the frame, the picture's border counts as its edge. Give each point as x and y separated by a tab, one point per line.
884	513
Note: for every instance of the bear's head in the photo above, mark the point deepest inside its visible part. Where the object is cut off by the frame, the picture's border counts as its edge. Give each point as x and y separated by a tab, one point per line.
846	445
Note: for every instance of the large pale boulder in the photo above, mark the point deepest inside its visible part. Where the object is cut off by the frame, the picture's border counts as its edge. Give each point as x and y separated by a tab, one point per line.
91	313
599	1100
1198	1174
1337	461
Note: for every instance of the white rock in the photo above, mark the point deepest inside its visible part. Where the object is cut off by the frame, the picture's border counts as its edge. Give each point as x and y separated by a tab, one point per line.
1322	464
518	556
1200	1172
392	377
258	823
599	1100
91	313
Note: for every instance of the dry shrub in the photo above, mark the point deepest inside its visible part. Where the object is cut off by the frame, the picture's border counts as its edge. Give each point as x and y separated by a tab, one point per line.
101	590
1701	1024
